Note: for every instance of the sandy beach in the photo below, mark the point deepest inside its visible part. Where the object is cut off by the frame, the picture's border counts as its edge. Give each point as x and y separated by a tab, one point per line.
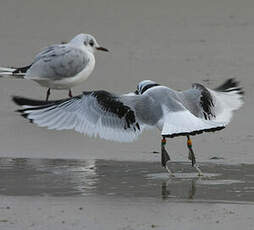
174	43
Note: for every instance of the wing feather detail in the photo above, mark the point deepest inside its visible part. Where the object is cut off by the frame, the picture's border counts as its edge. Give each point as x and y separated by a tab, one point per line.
96	113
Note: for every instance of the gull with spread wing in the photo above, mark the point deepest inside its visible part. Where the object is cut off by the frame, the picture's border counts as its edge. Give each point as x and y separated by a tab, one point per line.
123	117
60	66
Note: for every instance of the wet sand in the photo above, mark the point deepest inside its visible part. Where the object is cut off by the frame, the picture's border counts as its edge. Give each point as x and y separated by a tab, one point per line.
64	194
126	179
125	214
172	42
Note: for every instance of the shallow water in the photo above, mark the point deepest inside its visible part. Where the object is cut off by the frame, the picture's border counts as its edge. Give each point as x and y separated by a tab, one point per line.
53	177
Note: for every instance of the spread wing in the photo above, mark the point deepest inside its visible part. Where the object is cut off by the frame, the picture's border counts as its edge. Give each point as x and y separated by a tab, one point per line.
203	109
95	113
58	62
215	105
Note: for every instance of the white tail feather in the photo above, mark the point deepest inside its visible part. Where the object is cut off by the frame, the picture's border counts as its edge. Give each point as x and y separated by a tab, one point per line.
9	72
227	98
4	69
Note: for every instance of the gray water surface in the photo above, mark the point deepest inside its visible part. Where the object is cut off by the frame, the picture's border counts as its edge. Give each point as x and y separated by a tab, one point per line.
53	177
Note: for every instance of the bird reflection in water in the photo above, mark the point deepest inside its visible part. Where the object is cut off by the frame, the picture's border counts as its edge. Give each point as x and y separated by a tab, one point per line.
168	189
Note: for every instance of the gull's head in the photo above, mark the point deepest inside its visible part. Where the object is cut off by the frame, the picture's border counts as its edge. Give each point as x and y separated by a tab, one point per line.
88	42
145	85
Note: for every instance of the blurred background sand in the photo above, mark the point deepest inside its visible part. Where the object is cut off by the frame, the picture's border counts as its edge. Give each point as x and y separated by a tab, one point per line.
175	43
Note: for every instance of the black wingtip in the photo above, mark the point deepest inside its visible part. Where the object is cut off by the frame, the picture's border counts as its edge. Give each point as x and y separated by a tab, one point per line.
21	69
231	85
17	100
24	115
21	101
26	101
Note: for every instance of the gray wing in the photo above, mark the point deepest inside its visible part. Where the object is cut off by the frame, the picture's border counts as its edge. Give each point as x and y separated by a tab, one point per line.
217	104
184	113
96	113
205	109
199	101
58	62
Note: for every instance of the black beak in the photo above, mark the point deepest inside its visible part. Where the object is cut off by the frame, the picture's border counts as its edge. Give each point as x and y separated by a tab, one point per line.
102	49
136	92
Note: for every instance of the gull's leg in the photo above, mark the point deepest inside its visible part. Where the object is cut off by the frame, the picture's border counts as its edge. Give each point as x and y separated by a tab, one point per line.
47	95
192	156
164	156
70	93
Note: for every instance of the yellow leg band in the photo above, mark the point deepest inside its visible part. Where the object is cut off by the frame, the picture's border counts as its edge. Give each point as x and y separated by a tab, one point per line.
189	143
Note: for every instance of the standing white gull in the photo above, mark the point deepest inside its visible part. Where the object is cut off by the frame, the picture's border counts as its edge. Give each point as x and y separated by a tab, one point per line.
60	66
122	118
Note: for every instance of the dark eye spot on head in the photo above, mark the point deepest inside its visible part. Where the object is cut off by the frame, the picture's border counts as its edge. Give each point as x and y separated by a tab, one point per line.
91	43
85	43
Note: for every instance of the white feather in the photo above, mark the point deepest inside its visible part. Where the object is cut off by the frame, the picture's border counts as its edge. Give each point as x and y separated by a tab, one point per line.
185	122
225	103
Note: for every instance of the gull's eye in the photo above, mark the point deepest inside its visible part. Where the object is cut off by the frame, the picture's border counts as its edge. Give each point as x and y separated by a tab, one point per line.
91	43
85	43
